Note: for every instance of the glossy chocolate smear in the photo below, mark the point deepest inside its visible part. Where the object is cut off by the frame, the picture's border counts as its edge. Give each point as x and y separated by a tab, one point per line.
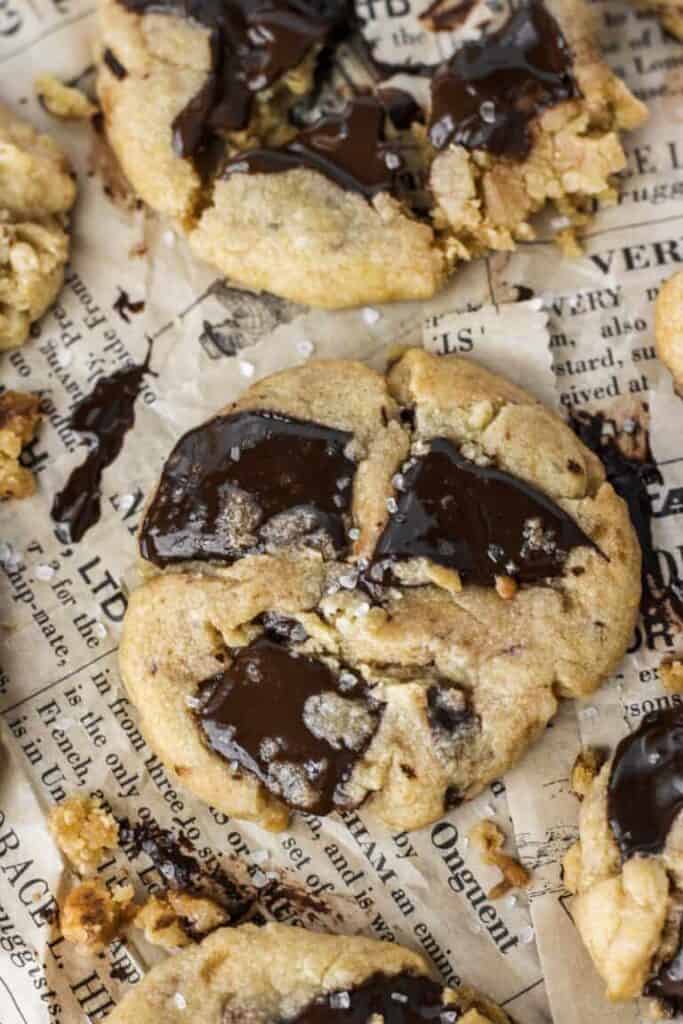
289	720
252	44
478	520
349	148
105	416
667	984
240	483
486	95
398	999
645	792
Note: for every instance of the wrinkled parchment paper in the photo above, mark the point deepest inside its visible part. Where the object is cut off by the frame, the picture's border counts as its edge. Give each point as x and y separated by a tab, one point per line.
66	723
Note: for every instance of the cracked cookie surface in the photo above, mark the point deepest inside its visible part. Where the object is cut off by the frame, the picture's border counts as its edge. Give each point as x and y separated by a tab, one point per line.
627	868
36	192
279	973
360	205
299	544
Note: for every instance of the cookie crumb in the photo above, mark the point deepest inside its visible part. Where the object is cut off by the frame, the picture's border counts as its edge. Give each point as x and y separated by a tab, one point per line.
671	674
92	916
177	919
19	419
506	587
63	101
489	839
586	766
84	831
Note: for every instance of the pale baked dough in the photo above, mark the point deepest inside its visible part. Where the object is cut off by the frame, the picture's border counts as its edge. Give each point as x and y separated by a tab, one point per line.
512	657
270	974
301	236
669	327
37	189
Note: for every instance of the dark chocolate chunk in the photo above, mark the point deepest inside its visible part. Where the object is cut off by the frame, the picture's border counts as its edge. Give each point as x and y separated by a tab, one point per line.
240	482
253	44
402	109
486	95
349	148
447	708
105	416
645	791
114	64
478	520
289	720
398	999
667	984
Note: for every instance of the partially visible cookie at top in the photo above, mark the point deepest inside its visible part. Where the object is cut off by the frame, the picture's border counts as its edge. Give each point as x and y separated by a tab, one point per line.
277	974
669	327
368	198
37	189
670	13
404	573
19	419
627	869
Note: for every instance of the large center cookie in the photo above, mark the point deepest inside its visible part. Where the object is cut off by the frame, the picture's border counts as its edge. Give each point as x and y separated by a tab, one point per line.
279	974
336	189
372	588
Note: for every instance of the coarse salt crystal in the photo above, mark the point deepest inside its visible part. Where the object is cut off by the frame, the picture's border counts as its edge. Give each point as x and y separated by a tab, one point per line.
126	502
305	348
64	358
340	1000
169	238
260	856
526	935
180	1001
247	369
43	572
99	629
371	316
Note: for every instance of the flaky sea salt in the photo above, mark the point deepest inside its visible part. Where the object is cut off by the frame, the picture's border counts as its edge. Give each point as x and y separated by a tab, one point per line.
43	572
169	238
247	369
64	358
305	348
371	316
526	935
100	630
340	1000
180	1001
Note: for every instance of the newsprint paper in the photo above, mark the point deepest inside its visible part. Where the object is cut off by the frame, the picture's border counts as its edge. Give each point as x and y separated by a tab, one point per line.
580	338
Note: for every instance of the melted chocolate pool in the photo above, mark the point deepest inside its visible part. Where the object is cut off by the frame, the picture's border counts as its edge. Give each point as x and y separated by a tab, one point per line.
489	91
241	482
478	520
289	720
349	148
252	43
645	792
398	999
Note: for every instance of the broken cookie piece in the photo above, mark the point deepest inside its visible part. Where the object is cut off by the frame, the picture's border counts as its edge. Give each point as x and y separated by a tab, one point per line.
489	839
36	192
177	919
19	419
586	766
84	832
285	184
92	916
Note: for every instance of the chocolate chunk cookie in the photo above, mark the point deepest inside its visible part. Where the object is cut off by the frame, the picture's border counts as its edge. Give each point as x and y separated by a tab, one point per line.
279	973
372	588
229	120
627	868
36	192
